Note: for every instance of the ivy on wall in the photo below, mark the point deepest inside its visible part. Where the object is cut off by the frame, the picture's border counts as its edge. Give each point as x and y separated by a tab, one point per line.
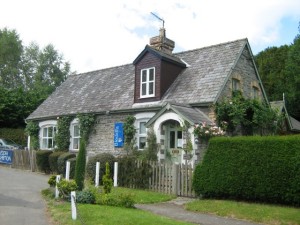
32	130
62	137
86	122
129	133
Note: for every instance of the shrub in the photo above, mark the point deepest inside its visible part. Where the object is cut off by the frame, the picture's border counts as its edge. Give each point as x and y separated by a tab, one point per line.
120	200
65	187
61	162
72	167
16	134
52	181
102	158
80	166
53	161
262	169
85	196
42	160
107	181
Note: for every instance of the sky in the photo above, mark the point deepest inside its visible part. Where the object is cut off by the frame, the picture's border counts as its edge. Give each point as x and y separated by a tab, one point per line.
94	34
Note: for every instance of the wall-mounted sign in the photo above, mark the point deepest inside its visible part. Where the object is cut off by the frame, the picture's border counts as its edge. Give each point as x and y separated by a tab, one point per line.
6	156
119	135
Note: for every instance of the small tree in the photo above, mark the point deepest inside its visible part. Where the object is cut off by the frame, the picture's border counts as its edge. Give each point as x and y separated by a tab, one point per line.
129	133
107	181
80	166
152	148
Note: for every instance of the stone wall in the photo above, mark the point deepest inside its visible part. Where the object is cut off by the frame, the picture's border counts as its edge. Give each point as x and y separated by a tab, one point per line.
102	136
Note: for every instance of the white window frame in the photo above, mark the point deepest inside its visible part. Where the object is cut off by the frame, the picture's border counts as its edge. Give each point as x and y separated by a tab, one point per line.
74	139
147	83
44	140
141	136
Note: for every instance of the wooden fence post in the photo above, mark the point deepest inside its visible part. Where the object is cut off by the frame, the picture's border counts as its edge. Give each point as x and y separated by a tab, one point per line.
175	179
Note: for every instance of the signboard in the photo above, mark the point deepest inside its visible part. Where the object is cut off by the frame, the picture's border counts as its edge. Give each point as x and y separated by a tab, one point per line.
6	156
119	135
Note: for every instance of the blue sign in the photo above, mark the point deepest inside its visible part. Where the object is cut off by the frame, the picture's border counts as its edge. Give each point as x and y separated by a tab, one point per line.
119	135
6	156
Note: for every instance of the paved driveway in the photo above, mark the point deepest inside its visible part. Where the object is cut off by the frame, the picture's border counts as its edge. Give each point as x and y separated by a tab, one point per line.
20	197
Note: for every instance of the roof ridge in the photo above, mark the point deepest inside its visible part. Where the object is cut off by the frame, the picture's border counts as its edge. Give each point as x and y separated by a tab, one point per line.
210	46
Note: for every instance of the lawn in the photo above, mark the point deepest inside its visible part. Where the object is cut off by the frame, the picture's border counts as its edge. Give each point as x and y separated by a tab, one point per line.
60	211
259	213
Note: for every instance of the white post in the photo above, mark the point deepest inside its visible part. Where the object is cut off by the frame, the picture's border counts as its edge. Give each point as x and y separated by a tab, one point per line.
68	170
97	174
56	189
28	142
116	174
73	205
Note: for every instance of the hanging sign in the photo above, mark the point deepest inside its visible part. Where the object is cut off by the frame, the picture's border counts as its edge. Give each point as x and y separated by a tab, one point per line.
119	135
6	156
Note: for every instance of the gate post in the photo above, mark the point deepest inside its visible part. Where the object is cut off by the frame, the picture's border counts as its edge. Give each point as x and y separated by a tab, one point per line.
175	179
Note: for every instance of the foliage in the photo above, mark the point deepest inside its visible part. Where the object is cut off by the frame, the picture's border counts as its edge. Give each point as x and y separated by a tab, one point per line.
62	137
134	173
257	168
65	187
86	122
245	116
17	135
53	158
121	200
129	133
85	196
150	152
106	179
206	131
32	130
102	158
52	181
72	167
80	165
10	56
61	162
42	160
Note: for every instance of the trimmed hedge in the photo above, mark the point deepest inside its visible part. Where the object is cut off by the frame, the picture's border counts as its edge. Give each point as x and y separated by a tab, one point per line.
61	162
53	161
42	160
102	158
16	134
265	169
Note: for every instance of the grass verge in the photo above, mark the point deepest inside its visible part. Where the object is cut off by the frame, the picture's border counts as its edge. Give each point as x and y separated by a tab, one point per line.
260	213
60	211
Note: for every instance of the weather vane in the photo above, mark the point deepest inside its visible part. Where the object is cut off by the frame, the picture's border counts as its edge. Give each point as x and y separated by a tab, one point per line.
159	19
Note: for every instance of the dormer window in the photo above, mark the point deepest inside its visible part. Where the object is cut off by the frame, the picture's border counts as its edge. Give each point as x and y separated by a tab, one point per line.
147	82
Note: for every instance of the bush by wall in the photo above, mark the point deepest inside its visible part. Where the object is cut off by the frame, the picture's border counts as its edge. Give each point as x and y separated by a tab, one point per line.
42	160
80	166
53	157
134	173
61	162
251	168
102	158
72	167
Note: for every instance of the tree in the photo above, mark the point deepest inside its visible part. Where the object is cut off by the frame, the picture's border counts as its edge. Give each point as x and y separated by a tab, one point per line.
80	165
11	50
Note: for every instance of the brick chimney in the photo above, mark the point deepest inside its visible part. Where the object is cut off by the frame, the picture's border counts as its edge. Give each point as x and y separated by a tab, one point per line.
162	43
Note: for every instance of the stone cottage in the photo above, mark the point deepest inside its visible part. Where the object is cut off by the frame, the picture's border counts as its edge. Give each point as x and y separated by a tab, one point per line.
160	88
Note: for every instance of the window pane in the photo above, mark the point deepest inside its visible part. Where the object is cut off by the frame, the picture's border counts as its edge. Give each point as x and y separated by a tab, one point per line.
143	89
76	131
179	134
50	131
142	128
50	144
144	75
76	143
45	133
151	74
172	139
151	88
44	143
142	142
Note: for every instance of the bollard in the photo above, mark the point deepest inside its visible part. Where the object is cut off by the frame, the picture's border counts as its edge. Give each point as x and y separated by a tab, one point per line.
97	174
56	189
116	174
73	205
68	170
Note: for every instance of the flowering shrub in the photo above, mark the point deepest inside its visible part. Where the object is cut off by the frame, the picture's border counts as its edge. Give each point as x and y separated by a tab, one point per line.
205	131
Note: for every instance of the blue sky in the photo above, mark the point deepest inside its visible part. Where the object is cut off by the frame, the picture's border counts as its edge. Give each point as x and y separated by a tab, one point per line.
94	34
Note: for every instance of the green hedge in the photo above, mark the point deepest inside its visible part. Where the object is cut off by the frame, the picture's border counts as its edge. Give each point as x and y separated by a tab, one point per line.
102	158
53	161
42	160
17	135
263	169
61	162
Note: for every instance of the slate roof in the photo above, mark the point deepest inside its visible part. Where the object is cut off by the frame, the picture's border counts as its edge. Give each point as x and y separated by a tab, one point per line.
113	88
